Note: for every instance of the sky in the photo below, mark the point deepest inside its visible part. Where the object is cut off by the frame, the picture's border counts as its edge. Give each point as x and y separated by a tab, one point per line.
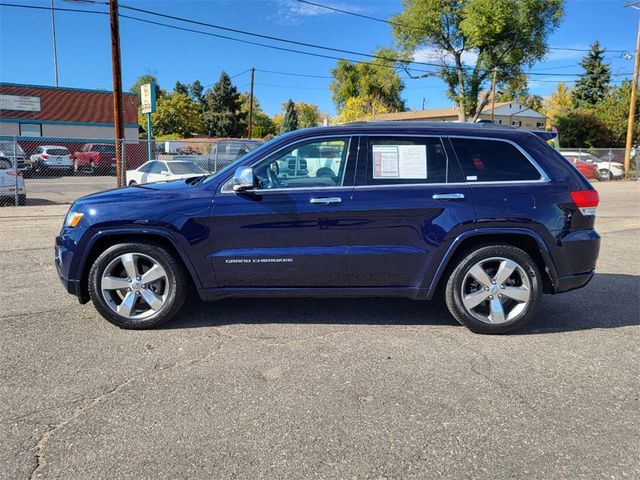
84	58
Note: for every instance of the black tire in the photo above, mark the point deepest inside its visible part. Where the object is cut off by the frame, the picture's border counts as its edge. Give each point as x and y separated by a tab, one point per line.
177	283
22	200
605	175
133	182
453	293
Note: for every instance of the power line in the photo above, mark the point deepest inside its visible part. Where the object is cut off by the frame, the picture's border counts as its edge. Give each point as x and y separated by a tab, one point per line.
399	24
175	27
294	74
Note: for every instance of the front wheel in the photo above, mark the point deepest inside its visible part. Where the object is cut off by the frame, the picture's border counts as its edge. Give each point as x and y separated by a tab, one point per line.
494	289
137	285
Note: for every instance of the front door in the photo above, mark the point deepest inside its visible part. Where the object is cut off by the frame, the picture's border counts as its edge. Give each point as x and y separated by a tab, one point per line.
409	200
291	231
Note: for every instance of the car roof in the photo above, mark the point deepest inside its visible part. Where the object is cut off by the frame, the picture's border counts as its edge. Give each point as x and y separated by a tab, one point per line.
53	146
440	128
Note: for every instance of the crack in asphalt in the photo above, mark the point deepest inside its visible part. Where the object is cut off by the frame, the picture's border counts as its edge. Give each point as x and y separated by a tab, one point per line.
92	402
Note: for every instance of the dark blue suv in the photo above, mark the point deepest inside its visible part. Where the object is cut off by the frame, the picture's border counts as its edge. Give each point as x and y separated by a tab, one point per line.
489	217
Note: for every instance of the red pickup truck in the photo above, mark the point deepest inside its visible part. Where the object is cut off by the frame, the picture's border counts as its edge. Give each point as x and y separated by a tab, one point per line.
95	158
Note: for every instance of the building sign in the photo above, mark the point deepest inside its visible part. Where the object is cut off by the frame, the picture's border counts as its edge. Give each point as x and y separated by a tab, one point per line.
148	98
20	102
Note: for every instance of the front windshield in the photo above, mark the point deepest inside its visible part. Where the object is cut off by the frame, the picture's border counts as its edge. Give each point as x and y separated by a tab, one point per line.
233	165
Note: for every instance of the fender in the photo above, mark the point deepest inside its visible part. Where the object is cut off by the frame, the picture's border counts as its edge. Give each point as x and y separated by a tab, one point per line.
478	232
136	231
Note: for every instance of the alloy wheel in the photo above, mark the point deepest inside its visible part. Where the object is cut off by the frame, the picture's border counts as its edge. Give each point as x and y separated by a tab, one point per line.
496	290
135	286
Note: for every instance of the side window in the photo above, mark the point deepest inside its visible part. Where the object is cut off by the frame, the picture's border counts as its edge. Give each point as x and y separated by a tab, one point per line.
146	167
311	164
157	167
38	150
492	161
406	160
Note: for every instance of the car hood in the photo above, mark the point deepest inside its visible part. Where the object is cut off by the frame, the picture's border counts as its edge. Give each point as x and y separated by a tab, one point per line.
139	192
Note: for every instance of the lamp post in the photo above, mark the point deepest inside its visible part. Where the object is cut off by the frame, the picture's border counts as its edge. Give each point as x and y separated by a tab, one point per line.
634	92
116	72
53	37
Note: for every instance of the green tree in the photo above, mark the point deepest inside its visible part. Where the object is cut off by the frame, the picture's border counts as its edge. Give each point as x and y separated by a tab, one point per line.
262	123
593	84
144	79
504	35
176	114
290	120
361	108
197	90
181	88
582	129
558	104
223	115
377	81
613	111
308	115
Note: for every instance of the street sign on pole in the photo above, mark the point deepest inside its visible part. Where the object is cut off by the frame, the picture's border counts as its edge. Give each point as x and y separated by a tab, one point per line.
148	106
148	98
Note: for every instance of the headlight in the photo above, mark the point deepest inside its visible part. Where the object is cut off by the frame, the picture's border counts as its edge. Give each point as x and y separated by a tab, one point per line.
73	218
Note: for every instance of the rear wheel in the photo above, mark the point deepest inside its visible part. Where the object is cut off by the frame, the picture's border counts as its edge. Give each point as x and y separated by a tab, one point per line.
22	200
494	289
604	175
137	285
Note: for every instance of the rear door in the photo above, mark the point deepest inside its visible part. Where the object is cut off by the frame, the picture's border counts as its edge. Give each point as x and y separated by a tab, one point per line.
409	202
292	231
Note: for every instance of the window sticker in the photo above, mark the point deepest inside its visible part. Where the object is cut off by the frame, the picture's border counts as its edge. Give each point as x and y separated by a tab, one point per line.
413	161
385	161
400	161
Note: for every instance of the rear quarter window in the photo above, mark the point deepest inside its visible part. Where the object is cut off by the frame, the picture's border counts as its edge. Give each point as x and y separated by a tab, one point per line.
493	161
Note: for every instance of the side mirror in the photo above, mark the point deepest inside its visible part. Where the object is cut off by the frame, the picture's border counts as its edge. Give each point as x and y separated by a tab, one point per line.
243	179
165	172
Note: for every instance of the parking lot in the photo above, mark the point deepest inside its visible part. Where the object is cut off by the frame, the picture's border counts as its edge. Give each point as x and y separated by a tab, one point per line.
303	388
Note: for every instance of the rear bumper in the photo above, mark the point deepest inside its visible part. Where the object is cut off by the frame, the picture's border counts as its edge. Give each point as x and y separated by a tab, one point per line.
575	259
571	282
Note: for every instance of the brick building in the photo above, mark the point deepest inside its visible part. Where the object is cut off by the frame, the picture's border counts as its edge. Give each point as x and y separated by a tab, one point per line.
41	111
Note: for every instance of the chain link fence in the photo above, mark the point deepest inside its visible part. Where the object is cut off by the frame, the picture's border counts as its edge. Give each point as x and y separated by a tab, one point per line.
46	171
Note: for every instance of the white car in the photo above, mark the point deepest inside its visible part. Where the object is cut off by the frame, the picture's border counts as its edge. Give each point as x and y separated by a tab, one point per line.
163	170
51	158
607	170
9	180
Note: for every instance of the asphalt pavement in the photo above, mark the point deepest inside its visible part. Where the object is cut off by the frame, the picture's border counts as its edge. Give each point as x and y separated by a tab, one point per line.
290	389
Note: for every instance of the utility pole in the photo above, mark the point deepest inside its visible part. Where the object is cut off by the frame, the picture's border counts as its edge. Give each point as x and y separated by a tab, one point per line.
251	105
632	106
55	50
118	114
493	93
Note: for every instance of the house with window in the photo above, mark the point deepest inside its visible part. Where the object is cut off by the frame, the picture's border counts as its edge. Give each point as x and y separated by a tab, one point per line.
513	114
42	111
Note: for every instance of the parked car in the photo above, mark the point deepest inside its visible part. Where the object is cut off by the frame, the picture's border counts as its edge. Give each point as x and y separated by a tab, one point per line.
490	217
160	171
10	150
605	170
588	169
95	158
10	178
51	158
222	153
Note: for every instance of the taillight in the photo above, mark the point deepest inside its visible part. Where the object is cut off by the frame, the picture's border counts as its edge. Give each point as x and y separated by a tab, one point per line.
14	173
44	156
586	201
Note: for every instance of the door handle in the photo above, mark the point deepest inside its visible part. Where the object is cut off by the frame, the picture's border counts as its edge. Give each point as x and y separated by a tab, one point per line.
448	196
326	200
